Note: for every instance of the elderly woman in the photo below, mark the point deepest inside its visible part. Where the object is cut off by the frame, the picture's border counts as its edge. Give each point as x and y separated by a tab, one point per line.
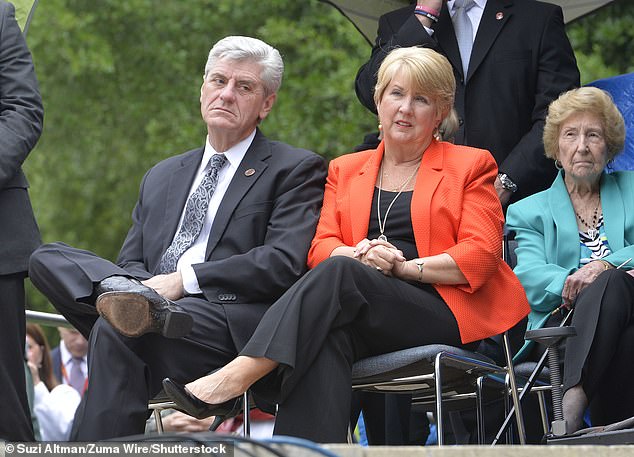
407	253
571	238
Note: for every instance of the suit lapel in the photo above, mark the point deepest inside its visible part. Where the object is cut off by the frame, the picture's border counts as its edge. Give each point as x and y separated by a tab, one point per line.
360	187
254	160
567	235
180	182
427	180
495	15
446	38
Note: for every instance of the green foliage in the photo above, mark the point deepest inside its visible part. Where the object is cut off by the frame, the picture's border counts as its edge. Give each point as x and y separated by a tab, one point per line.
121	84
604	41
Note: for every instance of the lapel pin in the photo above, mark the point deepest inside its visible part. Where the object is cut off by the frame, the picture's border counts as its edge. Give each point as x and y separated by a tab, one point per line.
499	15
249	172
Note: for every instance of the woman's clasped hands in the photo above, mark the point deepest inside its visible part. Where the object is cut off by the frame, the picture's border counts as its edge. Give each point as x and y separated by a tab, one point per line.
578	281
381	255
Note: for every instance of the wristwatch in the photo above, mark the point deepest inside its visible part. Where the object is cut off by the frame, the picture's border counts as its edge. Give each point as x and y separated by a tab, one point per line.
507	183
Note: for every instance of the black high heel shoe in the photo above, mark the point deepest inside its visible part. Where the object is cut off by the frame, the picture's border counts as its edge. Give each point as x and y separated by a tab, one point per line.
197	408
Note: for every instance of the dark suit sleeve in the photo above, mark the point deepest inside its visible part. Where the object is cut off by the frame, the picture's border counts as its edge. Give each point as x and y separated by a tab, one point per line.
397	29
556	73
131	256
264	272
21	112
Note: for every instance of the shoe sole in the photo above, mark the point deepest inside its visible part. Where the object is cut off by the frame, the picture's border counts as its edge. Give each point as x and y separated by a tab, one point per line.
133	315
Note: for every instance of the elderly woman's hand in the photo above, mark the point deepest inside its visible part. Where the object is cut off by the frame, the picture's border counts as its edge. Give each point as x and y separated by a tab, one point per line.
379	254
577	281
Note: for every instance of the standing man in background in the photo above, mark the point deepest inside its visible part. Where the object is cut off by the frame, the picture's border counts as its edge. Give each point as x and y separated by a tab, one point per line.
21	119
511	58
70	359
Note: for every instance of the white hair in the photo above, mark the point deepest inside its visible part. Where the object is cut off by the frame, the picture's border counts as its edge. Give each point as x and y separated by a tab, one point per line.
254	50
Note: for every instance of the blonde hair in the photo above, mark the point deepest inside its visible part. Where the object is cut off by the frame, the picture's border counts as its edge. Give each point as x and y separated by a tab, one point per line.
429	73
590	100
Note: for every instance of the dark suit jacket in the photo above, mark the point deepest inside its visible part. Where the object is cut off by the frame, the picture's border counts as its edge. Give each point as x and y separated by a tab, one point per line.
521	60
21	117
259	240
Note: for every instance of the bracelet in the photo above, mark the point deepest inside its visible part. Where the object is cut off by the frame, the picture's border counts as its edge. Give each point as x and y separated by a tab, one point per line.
606	265
419	264
427	14
427	10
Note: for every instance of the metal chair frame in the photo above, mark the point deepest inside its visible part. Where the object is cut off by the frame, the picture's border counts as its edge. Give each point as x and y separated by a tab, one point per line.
425	379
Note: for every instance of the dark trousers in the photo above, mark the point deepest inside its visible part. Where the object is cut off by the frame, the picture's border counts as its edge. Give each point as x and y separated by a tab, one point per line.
124	373
600	356
15	419
337	313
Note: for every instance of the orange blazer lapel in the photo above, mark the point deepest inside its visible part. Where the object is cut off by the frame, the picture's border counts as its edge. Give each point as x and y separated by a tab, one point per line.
361	192
428	178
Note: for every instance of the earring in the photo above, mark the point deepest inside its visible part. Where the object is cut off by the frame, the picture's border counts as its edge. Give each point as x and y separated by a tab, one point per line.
558	164
380	127
437	134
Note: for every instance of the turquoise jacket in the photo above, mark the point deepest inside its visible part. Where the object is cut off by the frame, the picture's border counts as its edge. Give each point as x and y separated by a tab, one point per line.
545	228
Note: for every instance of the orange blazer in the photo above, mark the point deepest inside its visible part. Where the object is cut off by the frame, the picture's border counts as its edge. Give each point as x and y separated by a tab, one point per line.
455	209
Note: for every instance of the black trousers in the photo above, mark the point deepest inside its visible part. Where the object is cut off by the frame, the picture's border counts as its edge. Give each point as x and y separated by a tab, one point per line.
124	373
15	419
337	313
600	356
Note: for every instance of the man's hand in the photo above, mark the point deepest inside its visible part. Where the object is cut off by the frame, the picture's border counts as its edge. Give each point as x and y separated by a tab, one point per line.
169	286
431	6
503	194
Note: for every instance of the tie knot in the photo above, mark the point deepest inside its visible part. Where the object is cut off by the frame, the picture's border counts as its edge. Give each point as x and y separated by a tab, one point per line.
77	360
217	161
466	4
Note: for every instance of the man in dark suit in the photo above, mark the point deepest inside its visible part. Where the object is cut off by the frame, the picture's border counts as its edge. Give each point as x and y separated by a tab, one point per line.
187	292
21	117
520	61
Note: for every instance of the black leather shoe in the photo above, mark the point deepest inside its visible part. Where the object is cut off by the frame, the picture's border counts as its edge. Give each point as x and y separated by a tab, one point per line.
197	408
134	309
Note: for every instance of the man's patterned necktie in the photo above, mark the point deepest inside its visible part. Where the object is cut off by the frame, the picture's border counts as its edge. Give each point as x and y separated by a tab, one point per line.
195	213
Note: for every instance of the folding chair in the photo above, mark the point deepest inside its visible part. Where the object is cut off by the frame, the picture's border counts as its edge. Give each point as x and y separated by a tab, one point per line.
438	374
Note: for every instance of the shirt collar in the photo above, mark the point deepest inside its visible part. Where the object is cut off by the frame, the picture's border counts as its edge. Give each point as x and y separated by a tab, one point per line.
479	3
234	154
65	355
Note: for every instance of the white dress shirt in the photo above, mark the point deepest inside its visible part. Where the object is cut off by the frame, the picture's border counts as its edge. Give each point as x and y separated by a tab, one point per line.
55	410
196	252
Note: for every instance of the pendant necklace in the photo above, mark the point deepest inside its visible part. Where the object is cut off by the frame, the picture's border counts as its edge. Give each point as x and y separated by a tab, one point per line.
383	221
592	228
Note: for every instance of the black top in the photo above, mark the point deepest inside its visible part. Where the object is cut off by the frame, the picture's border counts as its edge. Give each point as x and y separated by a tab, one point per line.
398	227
